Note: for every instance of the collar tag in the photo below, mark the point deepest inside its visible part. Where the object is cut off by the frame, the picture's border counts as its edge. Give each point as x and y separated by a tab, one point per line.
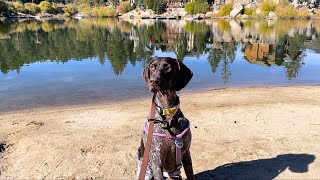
169	111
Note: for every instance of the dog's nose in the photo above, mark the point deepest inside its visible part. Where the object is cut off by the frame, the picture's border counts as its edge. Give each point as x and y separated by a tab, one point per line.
154	82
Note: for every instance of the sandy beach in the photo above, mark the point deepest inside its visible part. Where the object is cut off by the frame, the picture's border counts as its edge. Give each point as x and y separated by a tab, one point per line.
266	132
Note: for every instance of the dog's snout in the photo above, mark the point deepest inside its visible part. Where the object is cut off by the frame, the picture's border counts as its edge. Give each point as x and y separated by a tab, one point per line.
154	81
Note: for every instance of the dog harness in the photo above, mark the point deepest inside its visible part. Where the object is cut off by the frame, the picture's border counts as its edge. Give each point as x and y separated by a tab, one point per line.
170	113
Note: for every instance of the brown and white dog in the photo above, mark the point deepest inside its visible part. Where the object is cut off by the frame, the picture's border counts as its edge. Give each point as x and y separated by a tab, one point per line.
164	77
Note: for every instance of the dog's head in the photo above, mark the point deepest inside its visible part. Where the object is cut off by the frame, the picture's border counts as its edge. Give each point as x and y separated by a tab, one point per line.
165	73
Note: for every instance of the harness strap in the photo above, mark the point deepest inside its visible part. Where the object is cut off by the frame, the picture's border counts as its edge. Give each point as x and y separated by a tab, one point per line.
179	145
148	144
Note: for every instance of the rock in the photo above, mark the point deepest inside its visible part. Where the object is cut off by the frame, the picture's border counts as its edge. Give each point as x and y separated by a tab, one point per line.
311	5
209	14
243	2
295	3
250	5
272	15
147	12
258	11
236	10
311	10
216	9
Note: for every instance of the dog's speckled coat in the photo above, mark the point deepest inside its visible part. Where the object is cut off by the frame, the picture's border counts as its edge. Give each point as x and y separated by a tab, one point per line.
165	76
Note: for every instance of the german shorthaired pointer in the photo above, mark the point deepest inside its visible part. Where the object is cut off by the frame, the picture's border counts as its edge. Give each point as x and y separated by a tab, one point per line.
164	76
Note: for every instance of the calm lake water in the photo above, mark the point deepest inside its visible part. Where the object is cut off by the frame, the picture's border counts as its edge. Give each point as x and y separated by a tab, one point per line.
54	63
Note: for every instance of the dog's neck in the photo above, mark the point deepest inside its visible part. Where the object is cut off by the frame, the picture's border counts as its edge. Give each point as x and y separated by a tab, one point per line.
166	99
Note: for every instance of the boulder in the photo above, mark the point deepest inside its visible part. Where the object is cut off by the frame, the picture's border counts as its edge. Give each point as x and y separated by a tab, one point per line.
272	15
295	3
250	5
258	11
236	10
243	2
209	14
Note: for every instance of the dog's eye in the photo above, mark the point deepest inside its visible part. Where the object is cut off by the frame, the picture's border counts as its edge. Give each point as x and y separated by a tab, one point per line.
152	67
166	67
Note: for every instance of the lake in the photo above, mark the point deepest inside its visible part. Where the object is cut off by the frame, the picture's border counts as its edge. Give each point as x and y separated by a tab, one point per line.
71	62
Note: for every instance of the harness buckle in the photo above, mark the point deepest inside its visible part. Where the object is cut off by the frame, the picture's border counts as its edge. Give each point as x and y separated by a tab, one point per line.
179	143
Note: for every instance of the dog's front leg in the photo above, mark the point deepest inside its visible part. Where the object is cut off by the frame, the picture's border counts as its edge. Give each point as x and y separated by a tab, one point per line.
187	165
156	164
140	153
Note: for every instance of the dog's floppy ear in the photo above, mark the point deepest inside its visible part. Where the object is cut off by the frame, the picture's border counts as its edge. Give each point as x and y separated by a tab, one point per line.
146	75
184	75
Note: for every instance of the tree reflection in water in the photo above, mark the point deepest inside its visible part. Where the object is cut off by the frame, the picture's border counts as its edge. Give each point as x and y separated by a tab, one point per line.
278	43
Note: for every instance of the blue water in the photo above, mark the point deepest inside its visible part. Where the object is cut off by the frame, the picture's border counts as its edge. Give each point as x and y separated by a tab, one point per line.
83	81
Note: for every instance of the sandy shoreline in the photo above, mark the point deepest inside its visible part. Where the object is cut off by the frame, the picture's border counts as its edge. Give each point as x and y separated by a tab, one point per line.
269	132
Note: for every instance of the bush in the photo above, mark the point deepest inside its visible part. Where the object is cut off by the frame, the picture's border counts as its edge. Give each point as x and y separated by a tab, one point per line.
18	7
286	12
196	7
256	16
268	6
225	9
55	8
249	11
32	8
3	6
303	13
70	10
45	6
124	7
283	3
84	7
103	12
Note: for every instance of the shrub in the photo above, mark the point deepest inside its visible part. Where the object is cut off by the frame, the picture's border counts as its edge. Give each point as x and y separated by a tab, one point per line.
84	7
70	10
268	6
103	12
283	3
196	7
32	8
18	7
249	11
304	13
3	6
124	7
225	9
55	8
256	16
286	12
45	6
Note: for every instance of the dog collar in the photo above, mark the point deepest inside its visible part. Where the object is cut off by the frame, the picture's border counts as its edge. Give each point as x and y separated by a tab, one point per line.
169	111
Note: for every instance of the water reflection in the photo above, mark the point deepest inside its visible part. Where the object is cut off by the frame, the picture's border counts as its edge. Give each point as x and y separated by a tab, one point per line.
46	63
268	43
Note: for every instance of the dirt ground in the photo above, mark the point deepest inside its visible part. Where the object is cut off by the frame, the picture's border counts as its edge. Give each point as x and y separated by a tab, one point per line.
266	132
